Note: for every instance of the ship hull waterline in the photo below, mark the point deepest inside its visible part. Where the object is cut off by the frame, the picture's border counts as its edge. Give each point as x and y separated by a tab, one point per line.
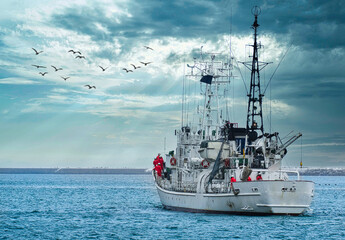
254	198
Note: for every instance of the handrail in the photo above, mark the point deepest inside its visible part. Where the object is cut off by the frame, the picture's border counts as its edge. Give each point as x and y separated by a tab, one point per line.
282	171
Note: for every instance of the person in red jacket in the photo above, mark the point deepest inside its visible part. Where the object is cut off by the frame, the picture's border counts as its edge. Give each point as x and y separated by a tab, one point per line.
156	161
249	179
161	161
158	170
258	177
233	179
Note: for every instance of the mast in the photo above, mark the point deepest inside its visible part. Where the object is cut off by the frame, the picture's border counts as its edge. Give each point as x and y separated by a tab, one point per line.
254	113
214	75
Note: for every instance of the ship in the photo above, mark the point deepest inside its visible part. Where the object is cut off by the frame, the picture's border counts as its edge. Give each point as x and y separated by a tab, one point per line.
219	167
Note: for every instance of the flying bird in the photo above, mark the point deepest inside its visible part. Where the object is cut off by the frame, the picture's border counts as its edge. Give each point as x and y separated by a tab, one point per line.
43	73
145	63
103	69
74	52
79	56
38	66
127	70
64	78
135	66
89	86
147	47
37	52
56	69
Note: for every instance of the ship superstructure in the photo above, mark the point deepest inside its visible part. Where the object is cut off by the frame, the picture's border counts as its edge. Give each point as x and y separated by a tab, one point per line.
221	167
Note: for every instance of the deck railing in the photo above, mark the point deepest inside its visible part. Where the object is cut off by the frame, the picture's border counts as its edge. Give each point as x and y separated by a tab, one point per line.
218	186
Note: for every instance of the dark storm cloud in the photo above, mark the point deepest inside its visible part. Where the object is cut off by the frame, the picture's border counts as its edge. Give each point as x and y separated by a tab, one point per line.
317	24
83	21
308	74
307	89
314	26
150	19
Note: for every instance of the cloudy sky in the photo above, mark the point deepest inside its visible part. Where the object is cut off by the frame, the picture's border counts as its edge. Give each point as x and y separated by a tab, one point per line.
48	122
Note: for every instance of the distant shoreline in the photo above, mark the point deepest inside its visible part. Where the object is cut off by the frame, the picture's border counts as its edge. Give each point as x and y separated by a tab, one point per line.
304	171
74	171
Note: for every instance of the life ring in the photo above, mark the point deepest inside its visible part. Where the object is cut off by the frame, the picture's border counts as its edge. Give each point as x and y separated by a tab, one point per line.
205	163
227	162
172	161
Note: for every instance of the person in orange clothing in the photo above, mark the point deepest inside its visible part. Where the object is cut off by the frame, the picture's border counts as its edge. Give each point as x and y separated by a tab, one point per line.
258	177
233	179
249	179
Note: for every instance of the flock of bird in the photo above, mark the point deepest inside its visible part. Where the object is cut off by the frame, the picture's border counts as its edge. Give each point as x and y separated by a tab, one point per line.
80	56
59	68
136	67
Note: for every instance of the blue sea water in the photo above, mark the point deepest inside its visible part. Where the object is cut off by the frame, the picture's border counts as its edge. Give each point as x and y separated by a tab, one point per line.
128	207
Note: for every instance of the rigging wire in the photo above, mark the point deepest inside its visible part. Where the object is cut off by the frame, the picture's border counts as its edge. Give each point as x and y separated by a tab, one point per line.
183	82
244	83
265	104
288	134
194	102
189	94
270	107
301	163
277	68
229	66
233	101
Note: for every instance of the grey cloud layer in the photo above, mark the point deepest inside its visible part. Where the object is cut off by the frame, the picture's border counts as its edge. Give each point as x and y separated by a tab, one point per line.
309	23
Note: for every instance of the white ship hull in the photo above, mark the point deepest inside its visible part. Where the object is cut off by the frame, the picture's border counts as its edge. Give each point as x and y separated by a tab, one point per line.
256	197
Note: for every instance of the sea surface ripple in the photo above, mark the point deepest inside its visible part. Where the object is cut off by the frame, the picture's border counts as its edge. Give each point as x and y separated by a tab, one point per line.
44	206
